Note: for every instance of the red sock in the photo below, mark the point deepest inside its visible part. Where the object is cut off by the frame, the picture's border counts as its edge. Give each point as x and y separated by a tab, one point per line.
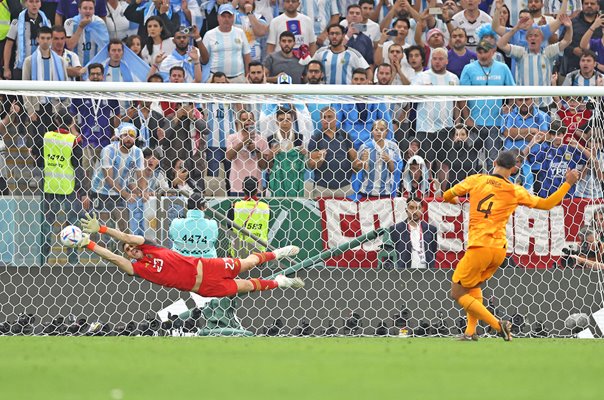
264	257
263	284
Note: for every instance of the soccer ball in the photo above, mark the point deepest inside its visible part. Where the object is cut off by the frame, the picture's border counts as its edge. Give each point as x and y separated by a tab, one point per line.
70	236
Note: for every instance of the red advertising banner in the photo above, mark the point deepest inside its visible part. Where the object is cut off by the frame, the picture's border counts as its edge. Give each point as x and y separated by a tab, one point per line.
535	237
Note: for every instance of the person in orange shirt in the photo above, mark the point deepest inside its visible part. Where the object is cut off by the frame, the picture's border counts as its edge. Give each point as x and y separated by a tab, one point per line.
493	198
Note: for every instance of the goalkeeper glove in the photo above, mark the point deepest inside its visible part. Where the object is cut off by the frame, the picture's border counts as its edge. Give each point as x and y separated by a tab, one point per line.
83	241
90	224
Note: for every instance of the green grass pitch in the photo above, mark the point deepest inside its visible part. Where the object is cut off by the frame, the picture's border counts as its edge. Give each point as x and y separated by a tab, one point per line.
299	368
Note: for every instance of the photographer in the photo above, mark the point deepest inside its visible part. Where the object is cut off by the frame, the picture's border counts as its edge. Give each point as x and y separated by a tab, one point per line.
589	254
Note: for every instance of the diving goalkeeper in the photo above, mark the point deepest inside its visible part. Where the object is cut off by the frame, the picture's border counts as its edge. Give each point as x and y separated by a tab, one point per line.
208	277
493	198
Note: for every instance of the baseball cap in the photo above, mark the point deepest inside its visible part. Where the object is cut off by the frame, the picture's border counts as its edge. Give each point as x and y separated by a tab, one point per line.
284	79
432	32
485	45
416	160
226	8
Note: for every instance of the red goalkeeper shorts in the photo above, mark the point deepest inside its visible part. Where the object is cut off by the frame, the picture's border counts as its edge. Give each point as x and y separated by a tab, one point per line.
218	277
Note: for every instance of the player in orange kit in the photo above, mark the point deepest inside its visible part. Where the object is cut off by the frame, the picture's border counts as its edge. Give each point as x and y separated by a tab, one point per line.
493	198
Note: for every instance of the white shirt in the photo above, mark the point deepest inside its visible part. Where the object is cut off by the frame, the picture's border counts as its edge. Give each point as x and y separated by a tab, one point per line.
226	50
460	20
167	46
418	255
339	66
433	116
117	24
85	42
301	26
320	12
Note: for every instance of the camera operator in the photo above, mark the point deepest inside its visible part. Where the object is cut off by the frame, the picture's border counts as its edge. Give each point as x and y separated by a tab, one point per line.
589	253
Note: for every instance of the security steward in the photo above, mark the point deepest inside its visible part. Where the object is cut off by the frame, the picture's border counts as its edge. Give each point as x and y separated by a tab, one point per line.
252	214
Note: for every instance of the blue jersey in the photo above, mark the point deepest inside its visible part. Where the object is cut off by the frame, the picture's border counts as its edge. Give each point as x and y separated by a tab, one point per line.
555	161
194	236
486	112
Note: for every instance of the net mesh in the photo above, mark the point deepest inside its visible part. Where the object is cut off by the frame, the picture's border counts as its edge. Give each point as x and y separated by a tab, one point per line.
331	168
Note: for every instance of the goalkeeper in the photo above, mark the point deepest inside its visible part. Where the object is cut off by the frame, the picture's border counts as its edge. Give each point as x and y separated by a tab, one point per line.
208	277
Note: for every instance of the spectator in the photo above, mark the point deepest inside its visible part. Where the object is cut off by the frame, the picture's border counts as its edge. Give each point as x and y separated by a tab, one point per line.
417	180
555	158
591	186
534	65
139	12
283	61
59	37
150	123
586	75
400	10
188	11
184	56
222	122
156	181
485	115
535	7
178	178
118	25
248	153
470	18
339	61
461	158
22	35
357	37
86	32
575	117
384	74
415	241
109	189
401	26
60	157
381	164
256	75
595	45
97	120
298	24
135	43
9	113
158	40
332	158
227	48
252	214
435	39
69	8
436	119
255	27
12	9
210	15
43	65
581	24
357	120
195	235
523	122
323	13
314	75
287	158
121	64
459	54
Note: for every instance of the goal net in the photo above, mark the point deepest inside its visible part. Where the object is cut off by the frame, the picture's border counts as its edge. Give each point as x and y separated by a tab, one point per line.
338	168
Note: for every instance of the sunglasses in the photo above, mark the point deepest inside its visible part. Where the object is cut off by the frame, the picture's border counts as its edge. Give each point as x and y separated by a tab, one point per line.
130	132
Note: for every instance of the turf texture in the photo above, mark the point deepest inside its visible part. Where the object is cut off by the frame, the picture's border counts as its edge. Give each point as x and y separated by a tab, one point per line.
299	368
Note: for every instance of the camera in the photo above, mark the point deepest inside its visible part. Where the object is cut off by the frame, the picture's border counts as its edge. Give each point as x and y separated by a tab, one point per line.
185	29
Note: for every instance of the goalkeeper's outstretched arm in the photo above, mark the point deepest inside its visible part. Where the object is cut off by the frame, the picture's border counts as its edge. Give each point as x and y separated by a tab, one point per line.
121	262
90	224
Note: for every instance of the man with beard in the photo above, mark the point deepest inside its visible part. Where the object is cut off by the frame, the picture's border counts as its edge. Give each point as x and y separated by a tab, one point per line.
459	55
338	60
523	123
182	56
415	241
581	24
283	61
120	161
313	75
586	75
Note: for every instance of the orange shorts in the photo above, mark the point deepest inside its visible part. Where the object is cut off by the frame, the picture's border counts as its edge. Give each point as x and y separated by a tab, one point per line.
478	265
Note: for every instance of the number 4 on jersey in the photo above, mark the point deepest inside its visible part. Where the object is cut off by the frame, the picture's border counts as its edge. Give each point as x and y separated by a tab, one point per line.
486	211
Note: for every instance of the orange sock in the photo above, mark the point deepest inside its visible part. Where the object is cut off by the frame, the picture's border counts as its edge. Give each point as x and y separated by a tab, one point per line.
263	284
472	320
478	310
264	257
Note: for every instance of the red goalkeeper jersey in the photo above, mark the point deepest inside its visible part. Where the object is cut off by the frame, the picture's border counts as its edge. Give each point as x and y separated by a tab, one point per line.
166	267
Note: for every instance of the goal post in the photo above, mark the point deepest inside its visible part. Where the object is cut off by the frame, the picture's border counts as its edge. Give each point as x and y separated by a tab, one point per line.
357	282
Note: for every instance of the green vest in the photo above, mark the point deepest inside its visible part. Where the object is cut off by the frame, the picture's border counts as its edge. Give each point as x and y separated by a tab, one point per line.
59	176
254	217
5	20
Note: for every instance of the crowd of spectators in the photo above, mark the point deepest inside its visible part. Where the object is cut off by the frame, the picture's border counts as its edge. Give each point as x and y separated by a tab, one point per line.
359	150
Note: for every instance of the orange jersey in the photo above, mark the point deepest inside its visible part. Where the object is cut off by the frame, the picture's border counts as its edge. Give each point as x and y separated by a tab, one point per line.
492	200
